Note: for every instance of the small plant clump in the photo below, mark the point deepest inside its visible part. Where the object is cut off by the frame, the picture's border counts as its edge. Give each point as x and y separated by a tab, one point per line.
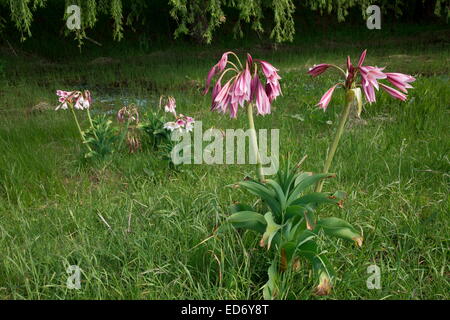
102	138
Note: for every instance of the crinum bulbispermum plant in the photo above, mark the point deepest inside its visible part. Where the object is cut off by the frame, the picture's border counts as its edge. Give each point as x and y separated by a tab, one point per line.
355	79
159	129
288	225
243	88
76	100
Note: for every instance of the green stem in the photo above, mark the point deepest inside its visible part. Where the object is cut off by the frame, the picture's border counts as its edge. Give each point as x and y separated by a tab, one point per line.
79	128
337	137
90	119
254	140
340	69
91	123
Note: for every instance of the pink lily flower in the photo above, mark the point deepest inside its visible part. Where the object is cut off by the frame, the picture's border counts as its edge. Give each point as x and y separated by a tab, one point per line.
170	105
396	94
77	99
217	68
262	101
269	71
63	94
181	123
362	58
326	98
242	86
369	78
318	69
189	124
372	75
400	80
171	126
368	90
273	88
215	91
222	98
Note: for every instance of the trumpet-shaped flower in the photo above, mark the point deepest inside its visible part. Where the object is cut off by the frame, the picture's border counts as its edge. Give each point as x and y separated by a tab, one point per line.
326	98
243	85
172	125
189	123
170	105
396	94
400	80
77	99
262	101
181	123
368	80
240	91
318	69
217	68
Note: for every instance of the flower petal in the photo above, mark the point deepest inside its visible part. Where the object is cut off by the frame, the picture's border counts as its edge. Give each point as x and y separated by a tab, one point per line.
394	93
326	98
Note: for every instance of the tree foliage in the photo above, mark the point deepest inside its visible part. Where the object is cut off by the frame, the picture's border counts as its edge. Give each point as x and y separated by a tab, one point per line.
200	19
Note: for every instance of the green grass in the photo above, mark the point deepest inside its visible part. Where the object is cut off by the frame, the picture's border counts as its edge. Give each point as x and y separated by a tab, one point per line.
394	165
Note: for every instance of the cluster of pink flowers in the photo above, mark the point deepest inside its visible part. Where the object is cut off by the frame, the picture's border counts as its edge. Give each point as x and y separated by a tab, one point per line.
170	105
77	99
182	122
244	85
369	77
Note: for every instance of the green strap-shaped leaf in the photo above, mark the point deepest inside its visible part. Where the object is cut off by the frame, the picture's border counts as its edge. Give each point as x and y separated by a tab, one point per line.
271	288
237	207
303	182
339	228
279	192
301	176
315	198
264	193
293	211
285	179
303	245
248	220
320	263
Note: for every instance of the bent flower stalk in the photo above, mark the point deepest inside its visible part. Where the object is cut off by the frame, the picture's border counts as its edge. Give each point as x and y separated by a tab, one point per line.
356	78
80	100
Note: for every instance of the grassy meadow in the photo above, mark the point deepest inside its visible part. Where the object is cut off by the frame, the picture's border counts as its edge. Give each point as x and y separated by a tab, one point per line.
135	227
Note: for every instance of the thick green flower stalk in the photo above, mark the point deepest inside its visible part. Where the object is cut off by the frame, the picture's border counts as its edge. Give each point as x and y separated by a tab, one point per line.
368	77
243	88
